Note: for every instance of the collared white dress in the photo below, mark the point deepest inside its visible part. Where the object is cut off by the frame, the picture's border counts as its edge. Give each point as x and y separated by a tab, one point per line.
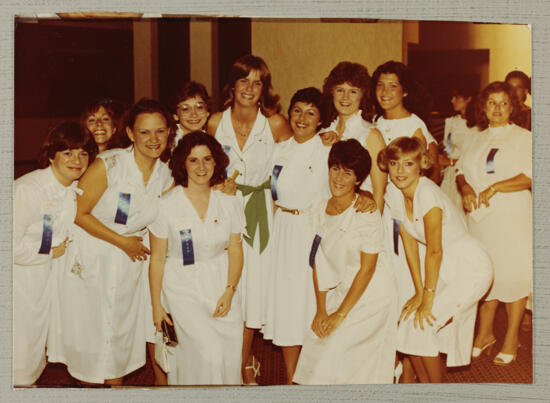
505	227
39	199
106	308
290	297
209	349
392	129
362	349
254	165
465	275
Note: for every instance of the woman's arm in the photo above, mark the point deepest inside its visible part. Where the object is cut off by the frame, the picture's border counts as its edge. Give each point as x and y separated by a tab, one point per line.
94	183
413	260
279	128
379	179
159	247
469	199
516	184
432	150
235	266
321	314
213	122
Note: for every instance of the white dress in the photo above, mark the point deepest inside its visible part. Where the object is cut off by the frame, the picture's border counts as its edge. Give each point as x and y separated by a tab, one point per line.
392	129
40	202
505	227
209	349
362	349
106	308
290	297
465	275
254	165
455	139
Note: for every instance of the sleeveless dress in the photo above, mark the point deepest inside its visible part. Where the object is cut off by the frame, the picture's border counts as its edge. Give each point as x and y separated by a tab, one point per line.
303	178
362	349
106	307
209	349
505	227
254	165
465	275
43	210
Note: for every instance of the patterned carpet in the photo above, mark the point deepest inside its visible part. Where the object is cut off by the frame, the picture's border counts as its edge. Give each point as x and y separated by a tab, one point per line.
272	368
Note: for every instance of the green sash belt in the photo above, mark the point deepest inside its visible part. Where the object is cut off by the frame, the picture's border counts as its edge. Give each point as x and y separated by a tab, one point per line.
255	212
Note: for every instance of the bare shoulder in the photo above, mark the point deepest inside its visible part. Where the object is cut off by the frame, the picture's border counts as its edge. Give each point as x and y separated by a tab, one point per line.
375	138
213	123
279	127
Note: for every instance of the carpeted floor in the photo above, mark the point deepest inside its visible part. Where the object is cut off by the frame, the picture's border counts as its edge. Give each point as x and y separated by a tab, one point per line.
273	370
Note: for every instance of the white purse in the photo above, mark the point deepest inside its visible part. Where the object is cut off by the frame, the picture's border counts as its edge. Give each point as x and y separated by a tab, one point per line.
162	355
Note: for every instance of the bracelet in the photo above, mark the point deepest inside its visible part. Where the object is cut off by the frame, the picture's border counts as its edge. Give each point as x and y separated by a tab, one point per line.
340	314
234	288
432	290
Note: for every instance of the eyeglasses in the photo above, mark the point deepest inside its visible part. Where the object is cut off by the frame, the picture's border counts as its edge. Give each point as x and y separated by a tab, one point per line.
188	110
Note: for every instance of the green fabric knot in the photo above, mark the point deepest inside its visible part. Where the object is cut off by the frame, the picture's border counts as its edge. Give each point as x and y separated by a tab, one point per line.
255	212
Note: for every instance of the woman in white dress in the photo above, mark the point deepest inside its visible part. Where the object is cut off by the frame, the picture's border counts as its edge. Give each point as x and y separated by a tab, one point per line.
495	183
44	209
248	129
440	316
196	262
348	114
110	313
353	334
190	109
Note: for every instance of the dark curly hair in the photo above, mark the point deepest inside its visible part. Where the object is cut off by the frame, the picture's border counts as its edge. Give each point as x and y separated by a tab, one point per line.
522	76
309	95
66	136
350	154
497	86
269	101
187	90
184	148
417	100
115	111
354	74
147	106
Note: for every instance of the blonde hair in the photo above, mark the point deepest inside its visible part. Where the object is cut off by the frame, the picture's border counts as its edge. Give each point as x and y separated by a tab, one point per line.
405	146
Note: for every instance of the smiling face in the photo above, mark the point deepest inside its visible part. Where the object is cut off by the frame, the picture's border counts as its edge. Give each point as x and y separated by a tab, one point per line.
460	103
346	99
199	165
191	114
404	172
149	135
101	125
342	181
69	165
498	109
305	119
248	90
389	92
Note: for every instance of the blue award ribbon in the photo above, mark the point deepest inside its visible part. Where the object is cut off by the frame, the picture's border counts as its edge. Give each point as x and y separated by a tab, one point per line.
47	232
396	225
227	151
448	145
274	176
490	166
187	247
123	208
314	248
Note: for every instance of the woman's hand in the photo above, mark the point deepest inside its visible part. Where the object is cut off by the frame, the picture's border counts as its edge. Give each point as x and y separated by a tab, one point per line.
224	304
411	306
59	250
424	311
133	247
469	199
365	202
331	323
228	187
159	314
486	195
329	138
317	324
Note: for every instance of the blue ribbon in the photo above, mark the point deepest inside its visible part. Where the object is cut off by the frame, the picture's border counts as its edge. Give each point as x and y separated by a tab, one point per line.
274	176
396	225
314	248
448	145
123	208
47	232
490	166
187	247
227	151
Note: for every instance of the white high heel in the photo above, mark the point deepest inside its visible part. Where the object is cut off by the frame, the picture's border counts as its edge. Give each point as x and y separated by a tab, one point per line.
255	369
397	372
476	351
505	359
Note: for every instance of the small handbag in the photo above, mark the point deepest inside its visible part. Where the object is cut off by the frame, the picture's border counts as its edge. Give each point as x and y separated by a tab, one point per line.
169	333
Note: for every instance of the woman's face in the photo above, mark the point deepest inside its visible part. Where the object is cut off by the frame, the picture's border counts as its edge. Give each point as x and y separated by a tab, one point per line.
498	109
248	90
519	88
460	103
304	120
346	99
192	114
389	91
69	165
199	165
149	135
404	172
101	125
342	181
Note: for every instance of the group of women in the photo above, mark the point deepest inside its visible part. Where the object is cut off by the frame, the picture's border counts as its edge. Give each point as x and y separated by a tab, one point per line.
327	233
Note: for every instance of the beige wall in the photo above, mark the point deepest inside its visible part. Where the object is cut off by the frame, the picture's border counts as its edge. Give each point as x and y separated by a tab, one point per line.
200	41
302	53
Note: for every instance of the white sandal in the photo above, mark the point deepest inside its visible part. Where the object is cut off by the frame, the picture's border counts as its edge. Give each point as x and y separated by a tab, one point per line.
255	369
